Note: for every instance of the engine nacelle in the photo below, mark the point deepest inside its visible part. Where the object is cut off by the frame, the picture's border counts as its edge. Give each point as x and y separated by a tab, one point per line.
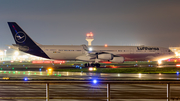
118	60
105	56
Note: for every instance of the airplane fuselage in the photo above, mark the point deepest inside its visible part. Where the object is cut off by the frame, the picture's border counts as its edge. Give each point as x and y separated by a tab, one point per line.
130	53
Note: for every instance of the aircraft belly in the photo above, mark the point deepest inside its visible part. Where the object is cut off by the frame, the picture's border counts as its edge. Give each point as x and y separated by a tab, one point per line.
63	55
145	57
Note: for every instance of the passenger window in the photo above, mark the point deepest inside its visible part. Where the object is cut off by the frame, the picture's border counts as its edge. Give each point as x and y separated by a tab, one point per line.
52	49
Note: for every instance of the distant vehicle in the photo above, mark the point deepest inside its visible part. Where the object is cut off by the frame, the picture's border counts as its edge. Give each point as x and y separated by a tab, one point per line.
91	54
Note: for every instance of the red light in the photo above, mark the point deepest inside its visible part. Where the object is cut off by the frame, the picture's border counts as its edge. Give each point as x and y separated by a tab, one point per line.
47	61
59	61
106	62
113	66
37	61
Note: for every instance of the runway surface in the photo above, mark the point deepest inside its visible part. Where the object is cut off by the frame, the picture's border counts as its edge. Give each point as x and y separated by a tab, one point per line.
129	92
54	75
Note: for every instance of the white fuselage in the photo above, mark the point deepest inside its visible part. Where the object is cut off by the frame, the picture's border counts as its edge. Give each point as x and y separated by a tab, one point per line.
130	53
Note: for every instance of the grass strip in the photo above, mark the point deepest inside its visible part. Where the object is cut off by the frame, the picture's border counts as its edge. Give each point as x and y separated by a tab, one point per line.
148	70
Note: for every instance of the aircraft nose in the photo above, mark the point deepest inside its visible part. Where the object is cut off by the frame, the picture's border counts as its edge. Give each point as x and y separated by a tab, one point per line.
173	54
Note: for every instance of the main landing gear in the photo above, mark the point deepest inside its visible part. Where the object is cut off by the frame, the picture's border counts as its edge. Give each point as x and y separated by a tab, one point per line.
92	64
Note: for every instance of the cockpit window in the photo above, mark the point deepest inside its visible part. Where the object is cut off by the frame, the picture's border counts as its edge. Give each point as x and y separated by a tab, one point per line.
169	50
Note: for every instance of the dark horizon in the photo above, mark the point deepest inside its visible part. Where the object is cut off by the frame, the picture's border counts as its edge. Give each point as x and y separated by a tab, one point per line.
113	22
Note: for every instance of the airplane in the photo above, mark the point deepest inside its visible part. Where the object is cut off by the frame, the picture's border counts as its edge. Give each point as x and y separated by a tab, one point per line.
93	55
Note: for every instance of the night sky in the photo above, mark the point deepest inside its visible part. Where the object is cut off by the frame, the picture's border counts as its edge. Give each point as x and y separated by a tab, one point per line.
113	22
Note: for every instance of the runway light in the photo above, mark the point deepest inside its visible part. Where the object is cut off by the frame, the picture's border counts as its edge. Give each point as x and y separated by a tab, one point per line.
177	72
177	65
159	73
90	69
40	69
105	45
159	62
94	81
25	79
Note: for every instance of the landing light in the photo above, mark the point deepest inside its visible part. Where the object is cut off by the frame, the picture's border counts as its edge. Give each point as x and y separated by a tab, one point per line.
90	49
92	69
159	62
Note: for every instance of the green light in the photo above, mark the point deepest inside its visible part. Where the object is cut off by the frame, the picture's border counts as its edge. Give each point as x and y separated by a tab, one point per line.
47	74
29	73
14	72
26	67
18	72
4	71
23	72
34	73
9	72
54	74
13	68
59	75
1	68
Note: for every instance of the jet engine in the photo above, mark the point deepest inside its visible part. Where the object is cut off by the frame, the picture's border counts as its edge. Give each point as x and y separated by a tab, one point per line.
105	56
118	60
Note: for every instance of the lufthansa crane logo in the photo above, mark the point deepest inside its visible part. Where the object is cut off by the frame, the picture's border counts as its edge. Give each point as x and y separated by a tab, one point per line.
20	37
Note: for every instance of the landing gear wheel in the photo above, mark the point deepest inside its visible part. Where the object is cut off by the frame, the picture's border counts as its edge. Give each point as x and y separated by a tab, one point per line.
85	65
92	65
97	65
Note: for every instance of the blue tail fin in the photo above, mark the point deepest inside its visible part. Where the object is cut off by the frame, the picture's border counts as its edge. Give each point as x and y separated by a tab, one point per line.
24	42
